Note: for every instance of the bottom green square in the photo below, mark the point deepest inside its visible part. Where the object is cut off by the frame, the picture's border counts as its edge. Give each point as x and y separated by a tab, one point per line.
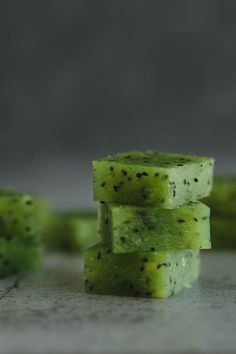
140	274
18	256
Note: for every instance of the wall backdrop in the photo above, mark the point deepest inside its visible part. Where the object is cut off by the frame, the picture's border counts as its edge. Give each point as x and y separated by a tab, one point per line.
81	79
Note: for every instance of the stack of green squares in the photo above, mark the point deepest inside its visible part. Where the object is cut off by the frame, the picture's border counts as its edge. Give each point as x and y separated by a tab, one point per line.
72	231
150	222
22	220
222	202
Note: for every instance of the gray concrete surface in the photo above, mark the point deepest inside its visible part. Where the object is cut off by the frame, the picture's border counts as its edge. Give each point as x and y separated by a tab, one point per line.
48	312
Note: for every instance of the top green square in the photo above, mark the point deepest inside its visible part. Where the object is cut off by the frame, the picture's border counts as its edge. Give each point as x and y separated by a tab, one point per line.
150	178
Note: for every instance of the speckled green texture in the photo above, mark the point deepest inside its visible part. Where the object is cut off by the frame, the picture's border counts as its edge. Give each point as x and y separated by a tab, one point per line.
142	274
19	208
149	178
73	231
222	200
104	223
19	256
21	232
132	228
43	210
19	217
223	233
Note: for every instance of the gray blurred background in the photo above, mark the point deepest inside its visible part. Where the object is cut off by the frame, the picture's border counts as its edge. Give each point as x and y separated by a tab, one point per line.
83	79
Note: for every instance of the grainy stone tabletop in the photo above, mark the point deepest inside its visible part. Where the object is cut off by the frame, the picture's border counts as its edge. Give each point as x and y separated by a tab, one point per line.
49	312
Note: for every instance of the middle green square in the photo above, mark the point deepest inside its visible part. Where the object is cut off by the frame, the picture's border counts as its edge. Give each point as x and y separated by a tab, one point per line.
133	228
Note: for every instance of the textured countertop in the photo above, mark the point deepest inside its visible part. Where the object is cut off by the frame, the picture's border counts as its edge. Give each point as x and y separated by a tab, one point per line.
48	312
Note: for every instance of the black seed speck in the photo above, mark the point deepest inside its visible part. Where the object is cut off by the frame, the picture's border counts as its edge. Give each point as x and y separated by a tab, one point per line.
124	172
122	239
152	249
102	202
151	227
99	255
111	168
138	175
181	220
145	260
174	193
185	182
141	213
180	164
106	221
29	202
195	179
6	262
159	266
195	219
156	174
103	184
144	174
115	188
